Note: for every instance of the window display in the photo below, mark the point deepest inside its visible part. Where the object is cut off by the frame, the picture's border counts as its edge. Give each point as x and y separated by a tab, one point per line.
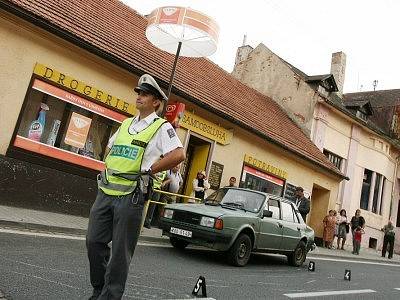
65	126
260	181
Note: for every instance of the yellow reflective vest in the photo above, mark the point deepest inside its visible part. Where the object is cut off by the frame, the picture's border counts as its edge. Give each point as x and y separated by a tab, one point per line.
126	156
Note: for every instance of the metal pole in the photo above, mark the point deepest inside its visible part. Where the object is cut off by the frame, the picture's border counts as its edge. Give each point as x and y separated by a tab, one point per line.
171	79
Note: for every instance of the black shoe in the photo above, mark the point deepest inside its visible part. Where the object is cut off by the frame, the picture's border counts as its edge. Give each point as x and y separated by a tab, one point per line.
147	226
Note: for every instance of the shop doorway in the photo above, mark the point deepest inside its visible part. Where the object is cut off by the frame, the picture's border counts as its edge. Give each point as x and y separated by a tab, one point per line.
319	206
197	154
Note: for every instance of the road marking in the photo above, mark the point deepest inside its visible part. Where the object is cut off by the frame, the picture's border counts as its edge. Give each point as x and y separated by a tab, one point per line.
60	236
40	267
310	281
328	293
354	261
44	279
195	299
70	237
397	289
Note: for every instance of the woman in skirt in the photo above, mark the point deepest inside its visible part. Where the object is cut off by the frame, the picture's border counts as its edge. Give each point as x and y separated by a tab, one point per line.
343	228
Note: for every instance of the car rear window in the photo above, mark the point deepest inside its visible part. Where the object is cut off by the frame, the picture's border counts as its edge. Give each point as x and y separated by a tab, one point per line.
287	212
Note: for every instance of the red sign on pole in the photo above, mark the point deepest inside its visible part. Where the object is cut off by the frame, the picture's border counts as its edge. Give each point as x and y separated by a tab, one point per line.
174	113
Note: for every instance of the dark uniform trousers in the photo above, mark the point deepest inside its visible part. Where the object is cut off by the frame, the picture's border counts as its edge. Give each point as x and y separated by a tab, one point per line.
115	218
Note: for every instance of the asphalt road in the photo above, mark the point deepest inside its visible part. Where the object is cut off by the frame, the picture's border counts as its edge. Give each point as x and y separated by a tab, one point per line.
38	267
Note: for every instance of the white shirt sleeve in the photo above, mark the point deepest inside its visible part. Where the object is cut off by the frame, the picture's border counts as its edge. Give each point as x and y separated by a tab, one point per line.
112	139
168	139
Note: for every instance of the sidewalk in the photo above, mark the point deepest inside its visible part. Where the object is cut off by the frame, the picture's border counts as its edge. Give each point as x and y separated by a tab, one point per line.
14	217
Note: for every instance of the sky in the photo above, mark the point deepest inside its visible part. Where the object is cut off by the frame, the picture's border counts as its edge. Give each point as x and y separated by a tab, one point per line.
306	33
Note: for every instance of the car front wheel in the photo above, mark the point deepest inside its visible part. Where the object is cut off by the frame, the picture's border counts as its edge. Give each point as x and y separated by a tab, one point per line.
177	243
298	256
239	253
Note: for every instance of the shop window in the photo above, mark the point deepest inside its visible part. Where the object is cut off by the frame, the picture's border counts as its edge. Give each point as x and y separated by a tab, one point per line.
365	190
260	181
65	126
333	158
377	195
383	188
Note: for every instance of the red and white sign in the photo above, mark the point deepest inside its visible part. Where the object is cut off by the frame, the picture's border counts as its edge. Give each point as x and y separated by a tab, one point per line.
262	175
78	130
174	112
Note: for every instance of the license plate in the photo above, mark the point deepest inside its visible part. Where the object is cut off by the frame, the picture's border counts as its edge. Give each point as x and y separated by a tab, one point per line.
181	232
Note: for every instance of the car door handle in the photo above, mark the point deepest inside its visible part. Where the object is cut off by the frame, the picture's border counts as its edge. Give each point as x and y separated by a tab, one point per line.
298	228
279	225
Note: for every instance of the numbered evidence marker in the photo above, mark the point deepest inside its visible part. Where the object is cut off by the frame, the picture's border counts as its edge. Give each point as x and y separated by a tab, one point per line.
311	266
201	283
347	275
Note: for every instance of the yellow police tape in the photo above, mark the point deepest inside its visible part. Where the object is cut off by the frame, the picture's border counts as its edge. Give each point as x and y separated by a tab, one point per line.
174	194
146	207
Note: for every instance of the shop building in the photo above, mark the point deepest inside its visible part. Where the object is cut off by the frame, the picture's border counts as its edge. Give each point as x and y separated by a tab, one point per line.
70	73
345	128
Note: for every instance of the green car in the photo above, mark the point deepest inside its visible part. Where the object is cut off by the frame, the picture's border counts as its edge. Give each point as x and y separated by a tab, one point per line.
240	221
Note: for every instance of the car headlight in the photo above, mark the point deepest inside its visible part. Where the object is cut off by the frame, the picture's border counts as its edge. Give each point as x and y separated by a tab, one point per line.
207	221
168	213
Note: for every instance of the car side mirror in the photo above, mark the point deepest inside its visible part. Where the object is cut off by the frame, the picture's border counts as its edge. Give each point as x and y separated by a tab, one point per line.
267	213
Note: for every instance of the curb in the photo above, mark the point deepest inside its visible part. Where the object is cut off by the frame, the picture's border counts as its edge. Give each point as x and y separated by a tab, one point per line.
42	227
66	230
153	239
353	258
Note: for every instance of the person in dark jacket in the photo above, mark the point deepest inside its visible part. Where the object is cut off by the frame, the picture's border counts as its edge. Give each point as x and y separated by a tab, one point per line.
302	203
388	239
200	185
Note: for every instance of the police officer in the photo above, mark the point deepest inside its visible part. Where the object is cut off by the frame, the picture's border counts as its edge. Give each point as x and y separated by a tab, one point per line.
134	156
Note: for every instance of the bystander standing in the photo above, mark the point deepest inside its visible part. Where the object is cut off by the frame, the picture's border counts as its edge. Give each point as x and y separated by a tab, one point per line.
232	182
174	182
343	229
200	185
358	232
302	203
329	229
388	239
357	222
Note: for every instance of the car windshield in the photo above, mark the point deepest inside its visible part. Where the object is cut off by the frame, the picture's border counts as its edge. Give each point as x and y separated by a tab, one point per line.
243	199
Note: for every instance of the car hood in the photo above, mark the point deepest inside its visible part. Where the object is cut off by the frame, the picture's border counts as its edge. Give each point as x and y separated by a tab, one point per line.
209	210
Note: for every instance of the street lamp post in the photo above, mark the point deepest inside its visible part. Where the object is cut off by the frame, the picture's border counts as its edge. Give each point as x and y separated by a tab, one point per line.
182	31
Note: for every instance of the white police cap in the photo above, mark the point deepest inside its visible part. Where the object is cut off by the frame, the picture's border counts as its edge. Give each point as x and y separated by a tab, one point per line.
148	84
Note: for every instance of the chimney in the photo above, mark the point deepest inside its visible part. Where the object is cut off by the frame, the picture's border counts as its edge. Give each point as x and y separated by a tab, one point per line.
243	51
338	69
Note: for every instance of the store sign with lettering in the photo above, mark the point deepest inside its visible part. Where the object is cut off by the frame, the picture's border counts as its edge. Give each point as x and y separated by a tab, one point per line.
261	165
206	128
84	89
